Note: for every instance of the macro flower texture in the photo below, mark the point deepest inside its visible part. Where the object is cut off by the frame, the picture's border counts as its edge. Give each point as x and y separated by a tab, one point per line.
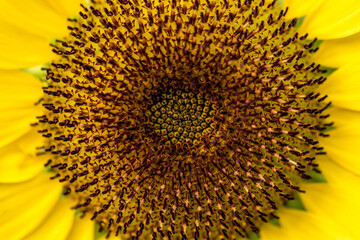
180	119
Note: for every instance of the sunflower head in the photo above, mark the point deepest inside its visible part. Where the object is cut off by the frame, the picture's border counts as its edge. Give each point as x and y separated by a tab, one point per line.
182	119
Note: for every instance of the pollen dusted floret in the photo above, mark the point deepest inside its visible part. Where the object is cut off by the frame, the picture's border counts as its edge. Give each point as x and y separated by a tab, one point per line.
241	56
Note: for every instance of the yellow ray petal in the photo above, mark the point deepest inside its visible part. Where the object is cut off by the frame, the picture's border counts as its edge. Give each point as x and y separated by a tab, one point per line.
83	229
58	224
336	200
343	144
339	177
18	93
299	8
35	17
18	90
26	27
67	7
18	160
333	19
19	49
338	52
343	87
16	123
25	205
300	225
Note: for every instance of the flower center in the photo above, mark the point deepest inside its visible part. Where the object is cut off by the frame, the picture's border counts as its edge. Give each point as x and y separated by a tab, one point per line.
182	119
181	116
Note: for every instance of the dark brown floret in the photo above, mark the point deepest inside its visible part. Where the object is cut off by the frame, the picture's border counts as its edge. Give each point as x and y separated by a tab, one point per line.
242	152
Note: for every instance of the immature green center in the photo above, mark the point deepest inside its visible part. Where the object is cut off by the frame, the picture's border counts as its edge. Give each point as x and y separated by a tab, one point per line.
181	116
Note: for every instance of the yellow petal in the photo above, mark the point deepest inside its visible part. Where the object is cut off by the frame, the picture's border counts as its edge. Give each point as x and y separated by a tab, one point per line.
333	19
331	209
300	225
25	205
343	87
18	93
67	7
343	144
336	200
19	49
18	90
338	177
338	52
15	124
18	160
83	229
299	8
35	17
26	27
58	224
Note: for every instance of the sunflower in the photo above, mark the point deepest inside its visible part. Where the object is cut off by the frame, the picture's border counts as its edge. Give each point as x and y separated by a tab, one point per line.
179	119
